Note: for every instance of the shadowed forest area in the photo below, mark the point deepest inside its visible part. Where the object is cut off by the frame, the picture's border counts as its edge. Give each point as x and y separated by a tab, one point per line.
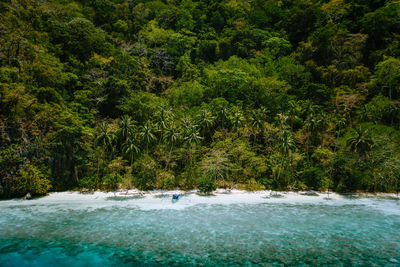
287	95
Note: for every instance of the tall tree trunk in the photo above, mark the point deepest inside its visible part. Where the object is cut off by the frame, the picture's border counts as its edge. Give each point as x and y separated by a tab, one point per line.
279	170
98	171
76	175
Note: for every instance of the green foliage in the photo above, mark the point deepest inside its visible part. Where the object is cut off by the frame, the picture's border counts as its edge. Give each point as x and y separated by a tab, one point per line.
287	94
326	184
272	93
121	26
165	180
313	177
141	106
145	171
111	181
115	91
388	75
381	110
88	183
48	95
19	177
82	38
206	185
360	142
277	46
252	185
188	94
30	180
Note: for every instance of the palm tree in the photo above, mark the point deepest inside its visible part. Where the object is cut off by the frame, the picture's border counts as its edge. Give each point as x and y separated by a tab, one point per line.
283	121
187	124
222	114
257	124
311	122
322	124
205	120
126	128
286	146
105	137
130	148
163	116
172	137
263	113
286	143
340	124
192	138
147	134
100	155
307	108
237	120
293	112
361	143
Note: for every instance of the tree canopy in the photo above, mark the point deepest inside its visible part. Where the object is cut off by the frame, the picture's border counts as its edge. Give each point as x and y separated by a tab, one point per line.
257	94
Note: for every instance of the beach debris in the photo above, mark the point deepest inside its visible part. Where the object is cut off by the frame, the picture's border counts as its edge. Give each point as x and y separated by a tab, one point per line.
309	193
274	194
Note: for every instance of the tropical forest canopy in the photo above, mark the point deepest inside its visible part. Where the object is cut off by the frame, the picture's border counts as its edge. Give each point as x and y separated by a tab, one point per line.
288	95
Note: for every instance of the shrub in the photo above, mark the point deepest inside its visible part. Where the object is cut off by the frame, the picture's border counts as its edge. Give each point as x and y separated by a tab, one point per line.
206	185
165	180
127	181
121	26
111	181
87	183
312	177
31	180
145	173
297	185
252	185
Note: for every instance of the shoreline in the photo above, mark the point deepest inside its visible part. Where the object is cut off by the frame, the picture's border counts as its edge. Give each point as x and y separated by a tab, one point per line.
221	191
132	193
162	200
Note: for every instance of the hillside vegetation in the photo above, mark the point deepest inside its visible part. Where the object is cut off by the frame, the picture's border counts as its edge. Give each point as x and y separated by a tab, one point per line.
291	94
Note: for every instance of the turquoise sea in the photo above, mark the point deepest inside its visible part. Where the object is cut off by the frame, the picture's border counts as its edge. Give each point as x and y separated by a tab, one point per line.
238	229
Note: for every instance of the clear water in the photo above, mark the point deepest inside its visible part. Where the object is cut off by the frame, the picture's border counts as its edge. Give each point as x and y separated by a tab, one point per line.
235	230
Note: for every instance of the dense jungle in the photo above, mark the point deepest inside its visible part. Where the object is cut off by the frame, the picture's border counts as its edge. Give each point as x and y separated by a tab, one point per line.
282	95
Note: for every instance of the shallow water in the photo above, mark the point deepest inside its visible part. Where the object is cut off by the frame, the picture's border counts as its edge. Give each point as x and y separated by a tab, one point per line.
235	229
